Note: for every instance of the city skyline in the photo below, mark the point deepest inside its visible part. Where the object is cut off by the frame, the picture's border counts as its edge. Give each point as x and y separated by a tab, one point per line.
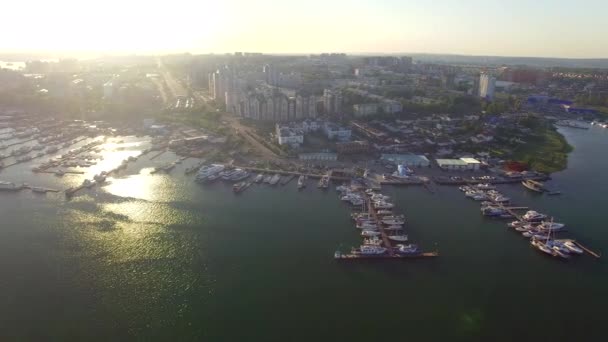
545	28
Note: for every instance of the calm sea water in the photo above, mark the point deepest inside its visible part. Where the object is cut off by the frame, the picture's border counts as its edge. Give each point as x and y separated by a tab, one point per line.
159	257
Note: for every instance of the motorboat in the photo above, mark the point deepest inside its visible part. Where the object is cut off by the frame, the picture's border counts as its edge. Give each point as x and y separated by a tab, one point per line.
383	205
551	226
301	182
369	250
385	212
541	246
557	246
258	178
532	216
275	179
409	249
393	222
398	238
361	216
493	211
370	233
485	186
374	241
533	185
516	224
573	247
367	226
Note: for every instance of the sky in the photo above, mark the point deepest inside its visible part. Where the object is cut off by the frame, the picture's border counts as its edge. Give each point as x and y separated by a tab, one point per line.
531	28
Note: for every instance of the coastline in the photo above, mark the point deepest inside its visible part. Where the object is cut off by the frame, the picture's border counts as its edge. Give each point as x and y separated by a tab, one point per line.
547	153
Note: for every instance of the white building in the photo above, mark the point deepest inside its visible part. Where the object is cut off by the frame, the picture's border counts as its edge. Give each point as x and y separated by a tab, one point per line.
461	164
334	131
289	136
487	85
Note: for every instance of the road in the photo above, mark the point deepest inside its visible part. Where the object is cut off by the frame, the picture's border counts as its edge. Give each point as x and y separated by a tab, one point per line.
248	134
174	86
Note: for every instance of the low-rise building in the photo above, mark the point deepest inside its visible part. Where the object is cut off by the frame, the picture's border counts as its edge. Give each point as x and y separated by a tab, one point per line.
287	135
407	159
336	132
353	147
322	156
461	164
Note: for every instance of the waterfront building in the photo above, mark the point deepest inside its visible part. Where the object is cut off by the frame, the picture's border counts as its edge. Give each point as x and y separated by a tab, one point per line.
461	164
406	159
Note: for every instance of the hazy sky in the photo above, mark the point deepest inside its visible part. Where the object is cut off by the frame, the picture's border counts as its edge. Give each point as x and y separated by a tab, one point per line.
551	28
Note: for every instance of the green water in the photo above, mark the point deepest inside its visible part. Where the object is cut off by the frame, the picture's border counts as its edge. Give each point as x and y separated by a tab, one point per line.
159	257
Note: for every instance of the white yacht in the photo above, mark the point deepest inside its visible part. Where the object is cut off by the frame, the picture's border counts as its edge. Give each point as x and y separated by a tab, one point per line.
393	222
301	182
7	186
209	170
551	226
383	205
370	250
532	216
370	233
398	238
573	247
374	241
367	226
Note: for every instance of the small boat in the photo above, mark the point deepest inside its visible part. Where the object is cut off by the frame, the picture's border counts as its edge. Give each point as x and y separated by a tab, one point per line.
361	216
383	205
258	178
492	211
533	216
301	182
573	247
409	249
398	238
367	226
275	179
369	250
385	212
485	186
240	186
541	246
533	185
516	224
393	222
370	233
39	189
551	226
374	241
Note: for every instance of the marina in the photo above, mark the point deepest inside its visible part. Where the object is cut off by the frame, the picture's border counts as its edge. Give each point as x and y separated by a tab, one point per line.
539	228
